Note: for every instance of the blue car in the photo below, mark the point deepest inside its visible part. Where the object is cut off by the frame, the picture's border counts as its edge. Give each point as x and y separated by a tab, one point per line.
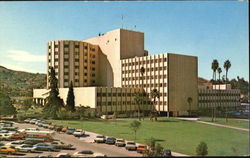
45	147
70	131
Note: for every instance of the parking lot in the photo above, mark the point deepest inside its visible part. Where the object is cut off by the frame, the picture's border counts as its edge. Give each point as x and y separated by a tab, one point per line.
86	142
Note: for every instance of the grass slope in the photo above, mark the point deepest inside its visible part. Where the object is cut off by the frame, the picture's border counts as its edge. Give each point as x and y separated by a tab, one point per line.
177	135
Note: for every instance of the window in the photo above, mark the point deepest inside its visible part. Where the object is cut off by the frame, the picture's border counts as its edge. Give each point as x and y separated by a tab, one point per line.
56	46
76	46
85	54
49	54
104	94
93	62
93	49
49	47
56	59
93	68
49	60
93	75
66	66
86	47
66	46
56	53
109	94
76	67
56	66
66	52
85	60
109	103
77	53
76	73
93	56
114	94
76	60
66	59
85	74
66	73
85	81
85	67
76	80
66	80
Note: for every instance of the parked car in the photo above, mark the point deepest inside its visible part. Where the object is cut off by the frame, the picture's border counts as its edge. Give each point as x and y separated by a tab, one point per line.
33	141
7	150
64	129
15	143
84	153
27	120
79	133
100	139
141	148
70	131
58	128
130	145
120	142
17	136
51	127
45	147
63	155
110	140
33	121
61	145
99	155
26	148
166	153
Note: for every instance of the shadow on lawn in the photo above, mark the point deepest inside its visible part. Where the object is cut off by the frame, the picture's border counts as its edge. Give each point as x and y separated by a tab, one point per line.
168	121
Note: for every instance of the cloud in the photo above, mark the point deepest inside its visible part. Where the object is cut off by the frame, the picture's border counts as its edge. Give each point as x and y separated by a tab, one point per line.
23	56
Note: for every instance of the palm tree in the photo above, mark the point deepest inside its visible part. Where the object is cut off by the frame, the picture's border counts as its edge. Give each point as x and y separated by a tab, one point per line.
154	94
215	65
142	71
219	72
189	100
138	100
227	65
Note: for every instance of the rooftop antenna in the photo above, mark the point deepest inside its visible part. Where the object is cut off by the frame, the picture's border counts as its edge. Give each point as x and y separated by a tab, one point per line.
122	21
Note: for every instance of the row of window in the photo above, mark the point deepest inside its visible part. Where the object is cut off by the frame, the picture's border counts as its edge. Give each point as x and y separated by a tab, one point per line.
147	61
77	73
145	85
146	70
109	103
76	46
77	80
76	67
122	94
145	77
221	100
219	94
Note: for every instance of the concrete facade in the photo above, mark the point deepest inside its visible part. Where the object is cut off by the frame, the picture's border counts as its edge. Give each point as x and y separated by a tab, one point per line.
116	45
174	76
74	61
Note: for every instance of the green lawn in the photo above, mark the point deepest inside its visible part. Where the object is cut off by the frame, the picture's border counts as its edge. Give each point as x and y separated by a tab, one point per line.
231	122
177	135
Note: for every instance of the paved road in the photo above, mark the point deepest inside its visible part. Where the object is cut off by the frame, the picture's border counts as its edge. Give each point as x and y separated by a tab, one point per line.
215	124
83	144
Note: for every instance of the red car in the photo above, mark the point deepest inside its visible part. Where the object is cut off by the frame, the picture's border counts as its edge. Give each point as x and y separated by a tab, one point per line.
17	136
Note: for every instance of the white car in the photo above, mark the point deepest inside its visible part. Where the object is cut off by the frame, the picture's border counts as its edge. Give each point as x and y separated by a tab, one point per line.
26	148
84	153
29	129
15	143
120	142
100	139
5	135
27	120
33	121
63	155
99	155
79	133
130	145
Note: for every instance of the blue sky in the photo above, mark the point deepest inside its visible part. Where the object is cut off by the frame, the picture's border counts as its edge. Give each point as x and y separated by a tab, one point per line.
209	30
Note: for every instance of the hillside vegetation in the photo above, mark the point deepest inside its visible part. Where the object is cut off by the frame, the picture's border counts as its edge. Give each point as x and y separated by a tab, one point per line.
19	83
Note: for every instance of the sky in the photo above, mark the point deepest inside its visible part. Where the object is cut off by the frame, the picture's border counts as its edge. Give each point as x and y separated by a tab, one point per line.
208	30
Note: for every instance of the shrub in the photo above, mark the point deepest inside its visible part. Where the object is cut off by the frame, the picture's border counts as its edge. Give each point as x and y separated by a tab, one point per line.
201	149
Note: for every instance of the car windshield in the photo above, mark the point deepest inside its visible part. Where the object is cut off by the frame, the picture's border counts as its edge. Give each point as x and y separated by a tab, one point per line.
86	152
70	129
120	140
132	143
100	137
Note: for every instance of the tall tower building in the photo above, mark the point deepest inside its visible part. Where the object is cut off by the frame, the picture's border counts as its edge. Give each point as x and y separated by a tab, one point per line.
74	61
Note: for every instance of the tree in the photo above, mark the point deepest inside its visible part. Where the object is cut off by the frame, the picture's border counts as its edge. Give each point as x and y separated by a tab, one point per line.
227	65
138	100
201	149
6	107
135	125
142	71
155	149
71	99
214	67
189	100
53	102
154	94
219	72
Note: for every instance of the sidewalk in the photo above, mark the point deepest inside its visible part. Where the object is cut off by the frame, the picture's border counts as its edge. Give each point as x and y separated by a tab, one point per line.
214	124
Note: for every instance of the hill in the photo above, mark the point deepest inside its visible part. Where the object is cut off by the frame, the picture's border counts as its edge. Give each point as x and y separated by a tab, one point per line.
19	83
